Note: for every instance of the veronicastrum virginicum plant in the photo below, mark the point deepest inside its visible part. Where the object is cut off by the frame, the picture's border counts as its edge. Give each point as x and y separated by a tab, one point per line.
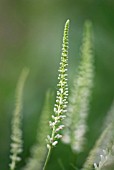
103	150
70	118
16	135
61	97
39	149
79	100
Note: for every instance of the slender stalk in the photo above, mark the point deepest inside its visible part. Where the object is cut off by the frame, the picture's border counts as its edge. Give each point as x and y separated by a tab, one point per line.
47	158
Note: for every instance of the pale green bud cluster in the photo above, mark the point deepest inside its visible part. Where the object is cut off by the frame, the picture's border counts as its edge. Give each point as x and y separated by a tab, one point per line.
103	160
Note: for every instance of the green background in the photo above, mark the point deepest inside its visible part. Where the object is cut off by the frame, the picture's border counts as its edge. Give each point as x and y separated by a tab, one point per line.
31	35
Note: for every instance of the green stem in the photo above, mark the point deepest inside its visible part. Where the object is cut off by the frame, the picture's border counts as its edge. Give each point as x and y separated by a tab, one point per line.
49	151
47	158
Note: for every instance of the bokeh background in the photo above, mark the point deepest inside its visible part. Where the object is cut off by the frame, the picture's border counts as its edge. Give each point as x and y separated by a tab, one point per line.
31	35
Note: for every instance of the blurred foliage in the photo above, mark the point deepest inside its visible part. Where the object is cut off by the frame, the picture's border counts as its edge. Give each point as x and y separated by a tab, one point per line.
31	35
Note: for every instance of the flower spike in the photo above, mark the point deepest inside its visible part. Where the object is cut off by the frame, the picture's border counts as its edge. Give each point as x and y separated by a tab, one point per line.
60	106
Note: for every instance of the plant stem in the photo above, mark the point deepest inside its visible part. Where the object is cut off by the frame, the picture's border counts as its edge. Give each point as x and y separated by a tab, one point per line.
47	158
